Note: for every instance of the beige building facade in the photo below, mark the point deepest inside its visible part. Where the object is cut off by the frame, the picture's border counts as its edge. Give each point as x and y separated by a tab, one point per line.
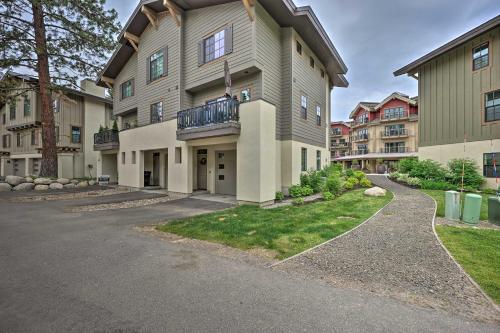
78	115
178	128
459	95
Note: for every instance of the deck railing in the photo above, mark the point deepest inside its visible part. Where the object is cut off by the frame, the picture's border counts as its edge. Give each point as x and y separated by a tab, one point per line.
395	150
213	113
106	136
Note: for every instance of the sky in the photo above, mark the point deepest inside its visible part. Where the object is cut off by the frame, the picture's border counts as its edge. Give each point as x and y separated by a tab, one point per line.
377	37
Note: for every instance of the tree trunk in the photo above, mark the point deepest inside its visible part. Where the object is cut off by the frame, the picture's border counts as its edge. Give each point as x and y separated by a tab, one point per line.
49	148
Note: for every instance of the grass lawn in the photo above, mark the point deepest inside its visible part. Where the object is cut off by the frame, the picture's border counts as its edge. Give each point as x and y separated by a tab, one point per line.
478	252
438	195
286	230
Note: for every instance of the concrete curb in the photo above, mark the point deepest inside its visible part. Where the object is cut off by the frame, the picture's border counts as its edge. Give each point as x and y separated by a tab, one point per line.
474	283
336	237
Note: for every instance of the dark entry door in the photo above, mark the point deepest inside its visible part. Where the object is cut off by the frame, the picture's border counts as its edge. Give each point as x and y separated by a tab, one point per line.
156	169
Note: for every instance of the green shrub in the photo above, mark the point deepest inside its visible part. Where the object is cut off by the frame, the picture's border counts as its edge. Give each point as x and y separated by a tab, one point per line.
365	182
298	201
352	180
359	174
349	173
115	125
394	175
406	165
413	181
297	191
328	196
489	191
472	178
437	185
280	196
403	177
331	169
313	179
428	169
348	186
334	185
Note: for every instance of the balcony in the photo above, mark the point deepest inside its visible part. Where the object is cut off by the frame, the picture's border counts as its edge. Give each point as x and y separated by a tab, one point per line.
396	133
359	152
400	117
106	140
211	120
342	145
395	150
360	138
336	134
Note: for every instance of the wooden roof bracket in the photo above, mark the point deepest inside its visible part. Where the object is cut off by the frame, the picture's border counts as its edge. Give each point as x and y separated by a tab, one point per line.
132	39
248	6
174	10
108	81
151	15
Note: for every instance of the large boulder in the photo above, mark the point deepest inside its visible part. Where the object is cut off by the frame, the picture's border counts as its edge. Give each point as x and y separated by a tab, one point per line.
63	181
28	180
92	182
375	192
75	181
70	185
56	186
14	180
43	181
24	187
41	187
5	187
83	184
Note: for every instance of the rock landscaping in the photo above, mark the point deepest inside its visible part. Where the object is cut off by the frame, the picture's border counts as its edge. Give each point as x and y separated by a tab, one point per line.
17	183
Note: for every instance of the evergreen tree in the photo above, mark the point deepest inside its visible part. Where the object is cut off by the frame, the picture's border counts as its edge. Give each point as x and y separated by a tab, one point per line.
62	41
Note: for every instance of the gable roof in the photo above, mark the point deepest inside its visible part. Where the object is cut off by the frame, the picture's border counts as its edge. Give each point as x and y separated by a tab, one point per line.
340	123
374	106
485	27
302	19
368	106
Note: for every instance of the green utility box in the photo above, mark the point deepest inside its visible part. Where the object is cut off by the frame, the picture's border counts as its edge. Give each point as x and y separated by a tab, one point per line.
472	208
452	205
494	210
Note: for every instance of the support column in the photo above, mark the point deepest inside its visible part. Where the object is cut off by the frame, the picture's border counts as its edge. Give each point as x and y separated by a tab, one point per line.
27	166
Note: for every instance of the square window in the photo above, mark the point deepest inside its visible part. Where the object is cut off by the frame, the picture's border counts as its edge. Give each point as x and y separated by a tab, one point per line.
127	89
492	106
221	177
490	163
221	166
76	134
214	46
156	113
156	65
245	95
480	56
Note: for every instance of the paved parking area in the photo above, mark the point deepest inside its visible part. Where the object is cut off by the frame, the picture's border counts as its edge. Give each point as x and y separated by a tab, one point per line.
94	272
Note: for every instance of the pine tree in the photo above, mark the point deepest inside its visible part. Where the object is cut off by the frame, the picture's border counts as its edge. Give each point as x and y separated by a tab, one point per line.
61	41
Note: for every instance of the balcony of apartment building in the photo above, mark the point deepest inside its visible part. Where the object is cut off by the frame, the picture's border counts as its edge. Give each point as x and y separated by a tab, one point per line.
339	145
395	133
219	118
395	150
336	133
398	116
106	140
361	137
360	123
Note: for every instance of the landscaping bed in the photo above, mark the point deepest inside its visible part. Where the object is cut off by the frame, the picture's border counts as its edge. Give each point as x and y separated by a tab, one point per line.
285	230
478	252
17	183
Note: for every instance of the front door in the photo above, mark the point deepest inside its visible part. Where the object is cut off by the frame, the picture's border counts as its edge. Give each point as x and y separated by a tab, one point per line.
156	169
225	175
202	169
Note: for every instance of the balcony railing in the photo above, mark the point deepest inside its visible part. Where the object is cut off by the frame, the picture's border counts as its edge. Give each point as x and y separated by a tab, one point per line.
340	145
210	114
395	132
108	139
395	150
361	137
360	152
335	134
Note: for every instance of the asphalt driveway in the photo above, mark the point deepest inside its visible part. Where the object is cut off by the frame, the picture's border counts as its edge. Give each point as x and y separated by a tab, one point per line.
93	272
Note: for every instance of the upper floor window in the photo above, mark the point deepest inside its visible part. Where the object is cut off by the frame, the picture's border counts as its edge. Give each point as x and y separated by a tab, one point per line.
216	45
303	106
336	131
19	141
245	95
318	115
12	110
6	141
27	106
394	113
56	104
492	106
157	65
311	62
480	56
156	112
76	136
299	48
362	118
127	89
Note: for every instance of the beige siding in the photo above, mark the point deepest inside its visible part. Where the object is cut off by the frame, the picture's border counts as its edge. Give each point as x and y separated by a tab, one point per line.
20	118
452	95
128	72
70	114
287	48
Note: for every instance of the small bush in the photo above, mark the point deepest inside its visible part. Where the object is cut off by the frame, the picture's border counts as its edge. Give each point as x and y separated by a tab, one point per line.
394	175
437	185
348	186
313	179
365	182
352	180
298	201
413	181
406	165
331	169
489	191
359	175
472	178
327	196
280	196
403	177
349	173
428	169
334	185
297	191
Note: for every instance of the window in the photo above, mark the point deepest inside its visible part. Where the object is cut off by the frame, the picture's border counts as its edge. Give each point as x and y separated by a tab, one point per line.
492	106
215	46
480	57
75	134
27	106
156	113
394	113
311	62
362	149
336	131
299	48
394	147
392	130
56	104
489	164
322	73
303	106
123	157
12	109
19	141
6	141
362	118
178	155
303	159
318	160
34	137
245	95
362	134
333	142
318	115
157	65
133	157
127	89
57	133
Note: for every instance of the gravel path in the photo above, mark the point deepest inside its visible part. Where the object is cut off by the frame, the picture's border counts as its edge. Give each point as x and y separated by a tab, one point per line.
396	254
